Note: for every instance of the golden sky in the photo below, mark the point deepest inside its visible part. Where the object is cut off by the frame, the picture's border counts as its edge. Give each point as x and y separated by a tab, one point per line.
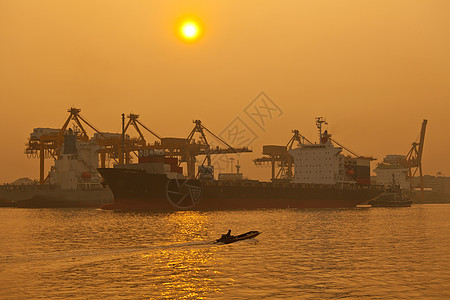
374	69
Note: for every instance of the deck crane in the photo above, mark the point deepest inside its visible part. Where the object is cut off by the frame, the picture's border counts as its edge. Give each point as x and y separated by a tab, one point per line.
352	152
326	136
414	157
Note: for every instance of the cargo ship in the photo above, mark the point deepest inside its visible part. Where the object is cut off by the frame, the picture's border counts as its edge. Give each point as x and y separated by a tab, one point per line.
323	178
73	180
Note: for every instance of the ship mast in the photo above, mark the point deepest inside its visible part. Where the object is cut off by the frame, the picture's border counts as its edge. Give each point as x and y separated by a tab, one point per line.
319	122
238	167
123	140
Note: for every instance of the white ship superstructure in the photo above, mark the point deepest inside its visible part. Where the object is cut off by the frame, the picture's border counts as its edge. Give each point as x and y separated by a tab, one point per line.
324	163
76	167
319	164
393	168
72	181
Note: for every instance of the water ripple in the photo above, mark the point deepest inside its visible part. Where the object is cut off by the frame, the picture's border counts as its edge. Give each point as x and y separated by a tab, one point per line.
302	254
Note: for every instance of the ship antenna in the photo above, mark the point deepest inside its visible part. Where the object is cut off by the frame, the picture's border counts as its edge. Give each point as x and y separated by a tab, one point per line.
123	139
231	164
319	122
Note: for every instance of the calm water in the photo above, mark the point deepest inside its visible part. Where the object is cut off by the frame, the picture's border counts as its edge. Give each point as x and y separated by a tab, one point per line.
374	253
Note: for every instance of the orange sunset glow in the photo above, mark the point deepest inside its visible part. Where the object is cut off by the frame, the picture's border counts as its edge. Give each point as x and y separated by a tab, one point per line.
374	69
219	149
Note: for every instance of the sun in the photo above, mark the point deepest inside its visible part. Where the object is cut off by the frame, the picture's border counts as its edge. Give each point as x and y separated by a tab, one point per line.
189	30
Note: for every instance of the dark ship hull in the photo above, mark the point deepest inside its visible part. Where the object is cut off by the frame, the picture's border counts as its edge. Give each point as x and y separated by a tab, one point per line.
381	203
138	190
50	196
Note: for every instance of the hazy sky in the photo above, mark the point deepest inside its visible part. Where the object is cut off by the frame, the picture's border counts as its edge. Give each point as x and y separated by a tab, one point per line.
374	69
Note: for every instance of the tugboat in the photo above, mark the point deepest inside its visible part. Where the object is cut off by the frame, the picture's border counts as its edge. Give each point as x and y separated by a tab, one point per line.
392	197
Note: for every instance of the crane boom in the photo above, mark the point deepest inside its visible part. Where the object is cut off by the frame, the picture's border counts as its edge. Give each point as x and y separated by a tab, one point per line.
342	146
414	157
422	138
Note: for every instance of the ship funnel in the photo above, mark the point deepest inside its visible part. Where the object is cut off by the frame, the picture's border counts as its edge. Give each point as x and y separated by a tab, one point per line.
70	143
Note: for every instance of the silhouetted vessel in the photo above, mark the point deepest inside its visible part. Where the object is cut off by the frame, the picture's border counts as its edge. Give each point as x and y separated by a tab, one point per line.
73	180
323	178
393	196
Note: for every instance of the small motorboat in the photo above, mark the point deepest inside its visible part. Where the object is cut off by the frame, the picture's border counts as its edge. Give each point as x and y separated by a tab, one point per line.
227	239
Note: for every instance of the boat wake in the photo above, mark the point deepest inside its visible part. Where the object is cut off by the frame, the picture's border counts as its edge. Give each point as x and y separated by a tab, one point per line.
106	253
61	255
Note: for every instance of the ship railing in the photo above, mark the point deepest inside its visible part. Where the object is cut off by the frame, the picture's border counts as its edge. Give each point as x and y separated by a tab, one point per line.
340	185
86	186
25	187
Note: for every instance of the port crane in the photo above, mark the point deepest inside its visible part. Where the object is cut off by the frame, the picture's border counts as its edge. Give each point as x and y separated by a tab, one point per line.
133	120
120	146
187	149
414	157
279	156
49	143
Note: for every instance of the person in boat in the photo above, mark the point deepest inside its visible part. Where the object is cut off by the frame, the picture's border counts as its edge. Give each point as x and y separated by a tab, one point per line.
224	236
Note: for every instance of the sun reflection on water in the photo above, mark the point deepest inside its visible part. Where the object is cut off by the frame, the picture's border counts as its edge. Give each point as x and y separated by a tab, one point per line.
184	273
188	270
306	254
188	226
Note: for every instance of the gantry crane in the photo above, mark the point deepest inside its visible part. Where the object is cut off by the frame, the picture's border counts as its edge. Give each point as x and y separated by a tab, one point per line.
119	147
189	148
186	149
49	145
79	120
279	155
414	157
134	121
